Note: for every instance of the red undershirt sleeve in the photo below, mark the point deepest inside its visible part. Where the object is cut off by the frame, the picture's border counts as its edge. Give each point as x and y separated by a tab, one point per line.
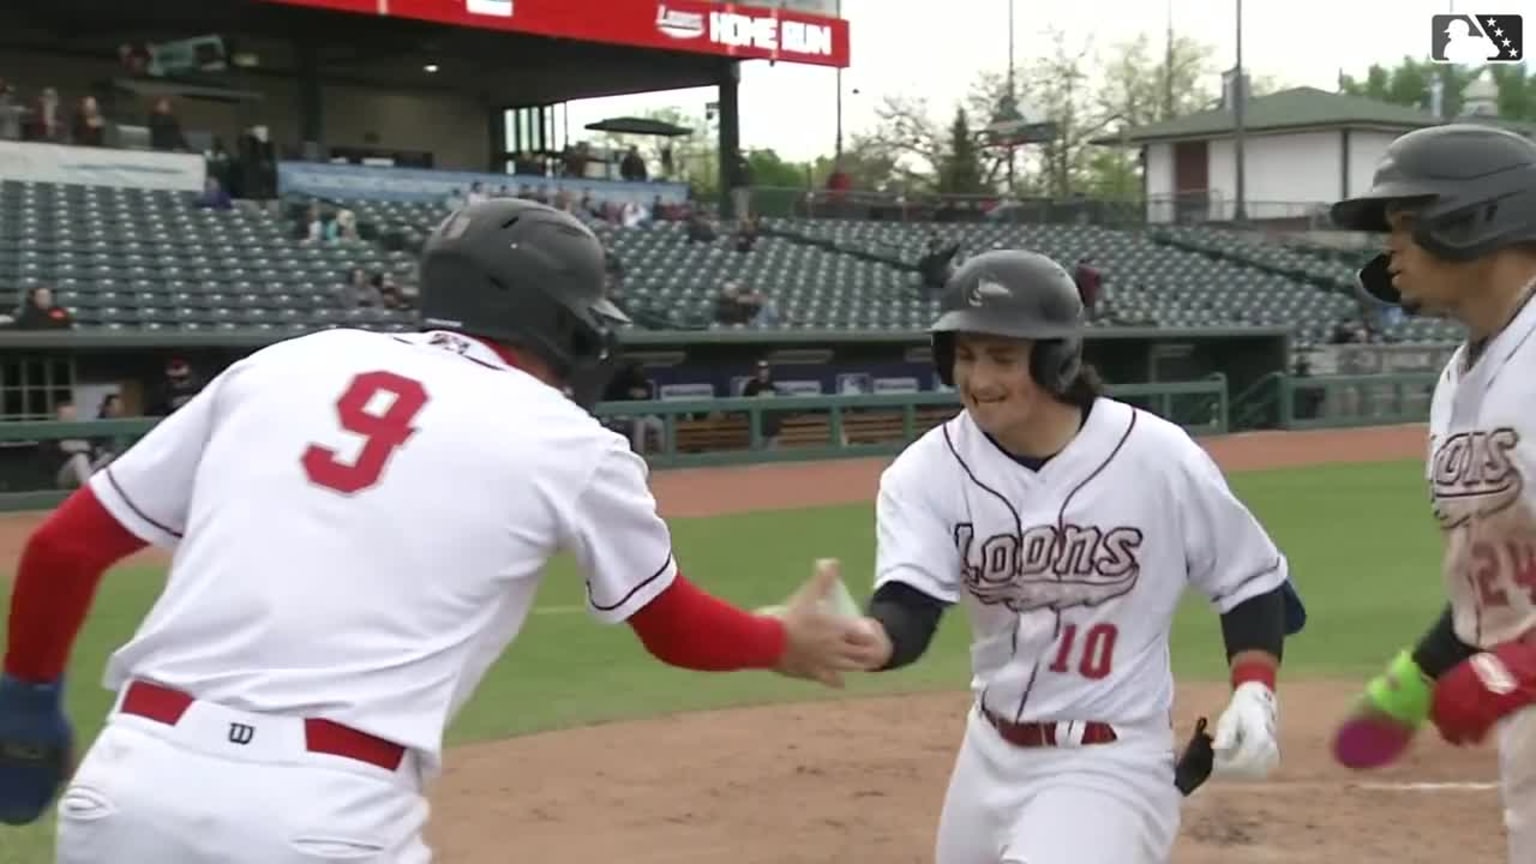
56	579
685	626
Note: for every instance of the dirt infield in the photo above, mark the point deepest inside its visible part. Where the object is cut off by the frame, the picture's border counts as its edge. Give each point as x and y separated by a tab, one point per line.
861	781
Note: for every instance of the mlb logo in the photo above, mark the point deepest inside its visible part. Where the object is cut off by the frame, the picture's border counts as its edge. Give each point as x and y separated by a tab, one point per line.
1473	40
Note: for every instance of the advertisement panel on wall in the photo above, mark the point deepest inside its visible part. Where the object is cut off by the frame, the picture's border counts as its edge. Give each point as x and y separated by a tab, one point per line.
382	183
750	31
99	166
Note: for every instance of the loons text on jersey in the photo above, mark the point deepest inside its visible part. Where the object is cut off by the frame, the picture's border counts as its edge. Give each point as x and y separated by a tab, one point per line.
1473	475
1050	566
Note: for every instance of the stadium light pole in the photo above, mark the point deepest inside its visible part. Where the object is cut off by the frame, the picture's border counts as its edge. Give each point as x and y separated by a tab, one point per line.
1239	107
837	149
1168	68
1013	101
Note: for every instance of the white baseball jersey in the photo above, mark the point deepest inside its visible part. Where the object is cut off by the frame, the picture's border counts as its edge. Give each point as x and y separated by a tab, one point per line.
1071	575
1480	452
360	521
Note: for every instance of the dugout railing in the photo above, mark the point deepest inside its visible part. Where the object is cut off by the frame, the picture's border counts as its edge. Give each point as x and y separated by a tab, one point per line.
683	433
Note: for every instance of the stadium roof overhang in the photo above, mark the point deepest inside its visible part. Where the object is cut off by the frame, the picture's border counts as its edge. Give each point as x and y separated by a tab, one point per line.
507	68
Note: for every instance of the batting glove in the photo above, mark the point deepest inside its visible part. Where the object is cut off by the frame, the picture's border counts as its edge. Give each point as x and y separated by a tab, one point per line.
1481	690
36	748
1245	742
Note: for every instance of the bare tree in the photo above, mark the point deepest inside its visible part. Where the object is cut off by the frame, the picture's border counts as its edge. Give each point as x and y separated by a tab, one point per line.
907	135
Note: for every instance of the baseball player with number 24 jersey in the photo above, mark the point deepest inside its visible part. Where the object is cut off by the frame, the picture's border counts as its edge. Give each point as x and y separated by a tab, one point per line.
1457	204
1068	525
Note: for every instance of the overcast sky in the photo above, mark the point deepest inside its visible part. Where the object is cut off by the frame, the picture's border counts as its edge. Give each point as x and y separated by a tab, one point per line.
934	49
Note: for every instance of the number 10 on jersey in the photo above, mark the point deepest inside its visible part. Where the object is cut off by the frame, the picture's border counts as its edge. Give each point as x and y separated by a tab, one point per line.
1089	654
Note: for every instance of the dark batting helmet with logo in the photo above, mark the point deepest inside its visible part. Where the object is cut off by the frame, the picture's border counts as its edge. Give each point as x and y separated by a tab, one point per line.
1019	295
528	275
1472	189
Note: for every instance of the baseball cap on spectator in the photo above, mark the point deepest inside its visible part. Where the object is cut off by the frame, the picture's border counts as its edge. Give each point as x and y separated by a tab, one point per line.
177	367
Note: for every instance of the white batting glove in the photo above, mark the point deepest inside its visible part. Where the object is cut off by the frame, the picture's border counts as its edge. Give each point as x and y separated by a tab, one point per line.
1245	742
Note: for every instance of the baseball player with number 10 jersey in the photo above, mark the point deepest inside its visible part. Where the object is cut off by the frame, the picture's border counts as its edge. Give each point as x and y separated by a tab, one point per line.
1068	525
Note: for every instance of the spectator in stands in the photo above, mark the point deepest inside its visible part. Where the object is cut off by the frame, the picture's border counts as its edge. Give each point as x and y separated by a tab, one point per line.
1090	285
256	164
631	385
1348	331
838	182
761	384
40	313
935	265
736	307
220	164
699	230
729	310
741	186
320	227
10	113
346	225
390	294
135	58
631	214
577	158
455	200
632	166
525	164
746	233
47	121
175	389
359	290
214	197
73	460
165	127
90	128
476	193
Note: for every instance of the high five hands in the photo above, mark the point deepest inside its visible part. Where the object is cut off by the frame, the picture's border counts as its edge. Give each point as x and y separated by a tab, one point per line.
821	640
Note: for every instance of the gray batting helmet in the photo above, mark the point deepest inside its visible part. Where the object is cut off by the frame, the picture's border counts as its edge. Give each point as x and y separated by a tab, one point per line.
1474	188
1016	294
528	275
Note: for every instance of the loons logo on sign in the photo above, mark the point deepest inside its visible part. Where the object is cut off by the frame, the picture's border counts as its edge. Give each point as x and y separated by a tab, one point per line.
495	8
766	33
679	24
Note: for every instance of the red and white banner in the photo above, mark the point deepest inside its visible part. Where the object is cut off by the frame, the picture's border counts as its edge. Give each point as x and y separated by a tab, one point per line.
726	29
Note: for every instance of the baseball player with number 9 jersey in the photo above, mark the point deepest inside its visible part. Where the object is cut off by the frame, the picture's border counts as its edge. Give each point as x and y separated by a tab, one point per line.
1457	204
1068	526
360	523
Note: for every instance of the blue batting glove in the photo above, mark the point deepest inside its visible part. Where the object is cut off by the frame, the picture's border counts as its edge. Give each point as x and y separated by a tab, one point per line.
36	748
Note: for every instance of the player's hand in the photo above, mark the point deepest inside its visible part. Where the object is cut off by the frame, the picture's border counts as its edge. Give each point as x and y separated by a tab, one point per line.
820	643
876	652
36	748
1478	692
1385	717
1245	742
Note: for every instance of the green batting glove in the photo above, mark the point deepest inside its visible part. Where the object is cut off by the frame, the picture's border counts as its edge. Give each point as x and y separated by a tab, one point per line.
1403	692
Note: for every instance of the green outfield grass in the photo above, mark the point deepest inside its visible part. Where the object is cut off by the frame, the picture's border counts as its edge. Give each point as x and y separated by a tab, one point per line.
1362	548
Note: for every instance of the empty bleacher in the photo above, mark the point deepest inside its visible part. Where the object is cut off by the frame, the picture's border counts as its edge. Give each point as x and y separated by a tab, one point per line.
136	259
129	258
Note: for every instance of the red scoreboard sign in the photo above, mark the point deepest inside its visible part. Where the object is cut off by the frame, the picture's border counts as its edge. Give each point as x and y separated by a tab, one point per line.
725	29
